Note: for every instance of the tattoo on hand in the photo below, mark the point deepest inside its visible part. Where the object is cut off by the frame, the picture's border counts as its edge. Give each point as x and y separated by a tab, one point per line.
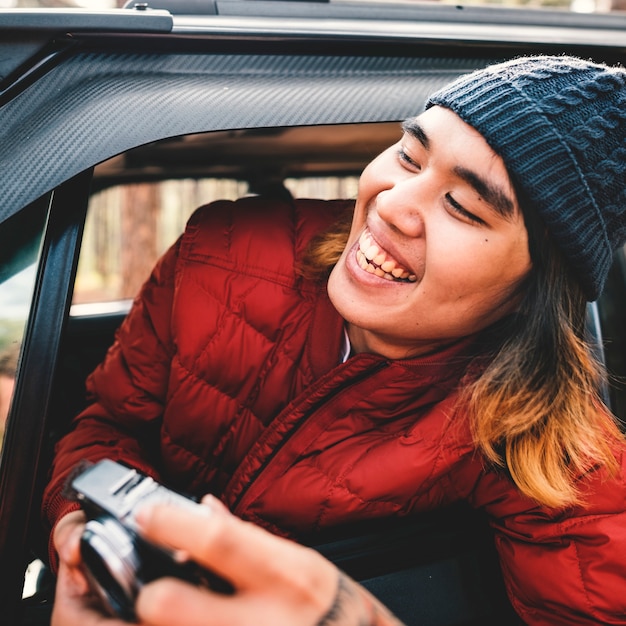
355	606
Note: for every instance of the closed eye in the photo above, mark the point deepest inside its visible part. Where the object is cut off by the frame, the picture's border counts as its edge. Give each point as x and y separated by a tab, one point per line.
457	208
407	161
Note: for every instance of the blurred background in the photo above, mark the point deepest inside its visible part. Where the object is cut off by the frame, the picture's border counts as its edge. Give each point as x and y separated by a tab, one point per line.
581	6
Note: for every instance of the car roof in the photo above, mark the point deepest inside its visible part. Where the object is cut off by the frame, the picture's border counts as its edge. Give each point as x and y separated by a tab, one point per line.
80	87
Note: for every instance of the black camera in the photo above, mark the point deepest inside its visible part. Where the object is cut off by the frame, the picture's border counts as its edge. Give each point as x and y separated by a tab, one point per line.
117	560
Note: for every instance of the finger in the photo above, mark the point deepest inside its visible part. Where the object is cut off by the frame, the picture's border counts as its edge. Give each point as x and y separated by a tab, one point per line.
66	536
161	603
74	606
69	551
213	503
243	553
70	560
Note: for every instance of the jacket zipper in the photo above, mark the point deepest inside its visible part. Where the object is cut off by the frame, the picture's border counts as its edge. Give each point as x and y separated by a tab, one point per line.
303	419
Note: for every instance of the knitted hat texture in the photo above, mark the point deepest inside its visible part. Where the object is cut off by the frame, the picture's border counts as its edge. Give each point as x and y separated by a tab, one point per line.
559	124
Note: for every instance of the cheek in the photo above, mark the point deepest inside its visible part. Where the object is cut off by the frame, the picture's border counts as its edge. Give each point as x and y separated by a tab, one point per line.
470	272
338	284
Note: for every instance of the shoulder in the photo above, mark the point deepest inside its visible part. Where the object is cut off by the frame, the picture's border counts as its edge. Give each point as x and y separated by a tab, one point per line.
256	236
217	227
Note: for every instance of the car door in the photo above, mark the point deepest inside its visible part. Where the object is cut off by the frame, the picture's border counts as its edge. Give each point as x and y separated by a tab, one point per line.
81	88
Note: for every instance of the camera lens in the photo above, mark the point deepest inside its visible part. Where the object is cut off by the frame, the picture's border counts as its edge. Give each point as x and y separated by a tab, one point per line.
111	562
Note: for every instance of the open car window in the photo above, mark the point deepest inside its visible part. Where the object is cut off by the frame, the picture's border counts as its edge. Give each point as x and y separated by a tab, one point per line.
174	111
142	199
22	237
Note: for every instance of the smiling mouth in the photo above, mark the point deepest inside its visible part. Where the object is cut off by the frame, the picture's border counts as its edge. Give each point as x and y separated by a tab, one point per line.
373	259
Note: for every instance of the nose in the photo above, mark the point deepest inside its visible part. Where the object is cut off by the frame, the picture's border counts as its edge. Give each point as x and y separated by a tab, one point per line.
402	206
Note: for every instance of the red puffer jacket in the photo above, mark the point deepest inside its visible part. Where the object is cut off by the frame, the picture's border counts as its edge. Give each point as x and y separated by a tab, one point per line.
225	378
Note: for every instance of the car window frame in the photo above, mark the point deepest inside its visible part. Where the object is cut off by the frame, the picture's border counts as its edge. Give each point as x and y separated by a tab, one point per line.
22	460
22	456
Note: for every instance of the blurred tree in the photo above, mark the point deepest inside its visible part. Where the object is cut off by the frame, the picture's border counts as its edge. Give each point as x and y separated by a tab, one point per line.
140	205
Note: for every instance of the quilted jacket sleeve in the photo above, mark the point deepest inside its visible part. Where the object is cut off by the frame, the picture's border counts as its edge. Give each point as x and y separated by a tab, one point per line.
562	567
127	392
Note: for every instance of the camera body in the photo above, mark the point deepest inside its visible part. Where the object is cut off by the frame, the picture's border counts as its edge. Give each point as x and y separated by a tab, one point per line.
117	560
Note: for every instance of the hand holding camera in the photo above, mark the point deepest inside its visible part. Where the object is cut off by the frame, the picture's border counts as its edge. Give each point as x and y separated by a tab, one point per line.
117	561
274	580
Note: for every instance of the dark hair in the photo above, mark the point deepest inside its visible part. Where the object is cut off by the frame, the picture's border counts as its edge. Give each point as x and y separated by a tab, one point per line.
536	408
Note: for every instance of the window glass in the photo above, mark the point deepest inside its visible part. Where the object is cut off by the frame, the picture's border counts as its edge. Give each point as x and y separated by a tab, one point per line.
612	309
21	238
143	198
130	226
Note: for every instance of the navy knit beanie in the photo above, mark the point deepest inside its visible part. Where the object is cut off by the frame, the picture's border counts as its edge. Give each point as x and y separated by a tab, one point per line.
559	124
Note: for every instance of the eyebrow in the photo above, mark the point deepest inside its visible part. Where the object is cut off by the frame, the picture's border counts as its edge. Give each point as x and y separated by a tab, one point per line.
415	130
494	195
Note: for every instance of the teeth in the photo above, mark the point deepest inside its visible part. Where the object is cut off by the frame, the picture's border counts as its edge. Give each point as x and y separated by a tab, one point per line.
372	252
379	259
372	259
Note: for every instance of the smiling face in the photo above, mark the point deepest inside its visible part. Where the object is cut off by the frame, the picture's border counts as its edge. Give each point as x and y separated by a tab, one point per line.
437	245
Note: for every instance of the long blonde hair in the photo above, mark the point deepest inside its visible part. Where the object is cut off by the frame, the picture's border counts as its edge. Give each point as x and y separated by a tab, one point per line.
535	409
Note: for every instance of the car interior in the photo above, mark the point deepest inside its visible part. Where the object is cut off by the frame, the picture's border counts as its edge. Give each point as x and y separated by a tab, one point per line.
440	569
433	560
